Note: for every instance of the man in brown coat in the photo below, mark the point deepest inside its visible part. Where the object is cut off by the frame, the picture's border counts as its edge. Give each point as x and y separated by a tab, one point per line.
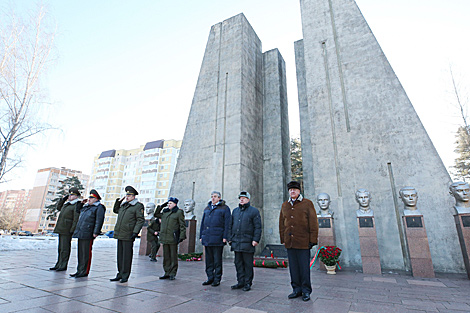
298	229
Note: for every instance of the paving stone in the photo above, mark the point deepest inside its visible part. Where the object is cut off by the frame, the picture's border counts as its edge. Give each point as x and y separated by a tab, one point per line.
426	283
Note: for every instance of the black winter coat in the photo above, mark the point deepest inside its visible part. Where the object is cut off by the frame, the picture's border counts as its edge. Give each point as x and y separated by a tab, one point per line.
90	221
245	227
214	225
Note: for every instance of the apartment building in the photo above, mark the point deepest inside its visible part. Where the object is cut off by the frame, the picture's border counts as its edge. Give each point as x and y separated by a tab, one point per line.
13	204
46	186
149	169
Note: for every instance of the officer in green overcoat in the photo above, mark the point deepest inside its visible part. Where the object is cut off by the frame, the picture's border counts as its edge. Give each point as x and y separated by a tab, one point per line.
128	225
69	208
172	232
153	230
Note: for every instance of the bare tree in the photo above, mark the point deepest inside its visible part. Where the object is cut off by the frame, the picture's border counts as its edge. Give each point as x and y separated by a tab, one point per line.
25	53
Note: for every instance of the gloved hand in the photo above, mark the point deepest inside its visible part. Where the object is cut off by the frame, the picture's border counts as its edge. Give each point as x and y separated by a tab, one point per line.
164	204
180	241
311	244
134	235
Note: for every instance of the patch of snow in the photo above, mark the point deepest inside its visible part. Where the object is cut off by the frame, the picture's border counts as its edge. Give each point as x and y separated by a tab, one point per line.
11	243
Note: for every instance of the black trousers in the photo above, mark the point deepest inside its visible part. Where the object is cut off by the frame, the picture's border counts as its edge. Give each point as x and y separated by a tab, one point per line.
244	267
155	245
299	268
65	243
170	259
125	251
214	262
84	256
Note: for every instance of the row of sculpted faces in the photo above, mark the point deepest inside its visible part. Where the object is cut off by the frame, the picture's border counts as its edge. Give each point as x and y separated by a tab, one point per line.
189	205
459	190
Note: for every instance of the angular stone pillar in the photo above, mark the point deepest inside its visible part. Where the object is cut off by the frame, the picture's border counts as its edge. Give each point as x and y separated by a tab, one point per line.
359	128
237	128
188	245
369	247
144	247
418	245
462	221
326	234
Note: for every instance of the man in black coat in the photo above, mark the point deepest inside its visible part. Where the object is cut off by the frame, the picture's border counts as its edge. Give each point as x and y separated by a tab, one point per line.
88	228
244	236
213	236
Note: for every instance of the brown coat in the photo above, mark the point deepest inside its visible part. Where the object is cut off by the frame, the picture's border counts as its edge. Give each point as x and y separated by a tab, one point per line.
298	224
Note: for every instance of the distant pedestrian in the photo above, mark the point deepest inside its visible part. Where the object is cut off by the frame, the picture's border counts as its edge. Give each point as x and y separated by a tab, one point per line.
69	206
128	225
213	235
244	236
172	232
298	229
88	228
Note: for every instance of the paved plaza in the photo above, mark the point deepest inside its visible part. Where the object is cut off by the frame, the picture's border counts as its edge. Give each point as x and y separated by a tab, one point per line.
26	285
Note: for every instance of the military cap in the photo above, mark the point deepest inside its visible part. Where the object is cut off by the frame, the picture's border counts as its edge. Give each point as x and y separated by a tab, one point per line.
173	199
131	191
293	184
94	194
74	191
245	194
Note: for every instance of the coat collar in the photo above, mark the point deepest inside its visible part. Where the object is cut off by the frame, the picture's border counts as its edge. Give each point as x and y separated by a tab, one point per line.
73	201
299	198
133	202
97	203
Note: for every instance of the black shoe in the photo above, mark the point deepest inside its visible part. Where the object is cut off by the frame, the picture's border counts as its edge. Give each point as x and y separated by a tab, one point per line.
81	275
172	277
237	286
215	283
164	277
73	275
52	268
294	295
207	282
306	296
115	279
61	269
123	280
247	288
153	260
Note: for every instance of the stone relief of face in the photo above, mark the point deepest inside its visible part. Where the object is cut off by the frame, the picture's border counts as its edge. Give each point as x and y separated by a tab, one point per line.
323	201
409	197
363	198
150	208
461	192
189	205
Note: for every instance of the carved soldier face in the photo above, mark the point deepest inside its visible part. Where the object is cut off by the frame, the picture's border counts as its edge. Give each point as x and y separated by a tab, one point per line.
149	208
363	199
409	197
188	206
323	201
461	193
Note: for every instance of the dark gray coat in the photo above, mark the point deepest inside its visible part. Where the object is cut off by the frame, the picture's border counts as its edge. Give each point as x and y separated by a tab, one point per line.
90	221
245	227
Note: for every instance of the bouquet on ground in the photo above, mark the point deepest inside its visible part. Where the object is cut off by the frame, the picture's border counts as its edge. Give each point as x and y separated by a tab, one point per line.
329	255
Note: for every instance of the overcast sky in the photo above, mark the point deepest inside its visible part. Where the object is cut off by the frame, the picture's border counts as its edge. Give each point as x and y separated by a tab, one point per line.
126	70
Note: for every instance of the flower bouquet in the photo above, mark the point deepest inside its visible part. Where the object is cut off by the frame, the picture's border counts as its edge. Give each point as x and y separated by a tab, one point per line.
329	255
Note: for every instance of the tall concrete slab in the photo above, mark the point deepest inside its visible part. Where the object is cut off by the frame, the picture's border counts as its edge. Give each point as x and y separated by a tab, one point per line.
365	133
276	142
224	144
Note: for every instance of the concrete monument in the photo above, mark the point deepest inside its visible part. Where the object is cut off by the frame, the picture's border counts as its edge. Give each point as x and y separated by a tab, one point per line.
323	200
461	192
237	133
358	128
363	198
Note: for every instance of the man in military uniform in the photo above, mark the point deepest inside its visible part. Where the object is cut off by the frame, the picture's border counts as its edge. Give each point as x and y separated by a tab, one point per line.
129	222
172	232
69	206
88	228
152	236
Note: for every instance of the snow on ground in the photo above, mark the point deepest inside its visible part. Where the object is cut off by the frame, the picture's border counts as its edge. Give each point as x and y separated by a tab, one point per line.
11	243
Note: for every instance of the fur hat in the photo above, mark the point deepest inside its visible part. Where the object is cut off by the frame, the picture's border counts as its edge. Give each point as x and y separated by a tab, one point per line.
293	184
245	194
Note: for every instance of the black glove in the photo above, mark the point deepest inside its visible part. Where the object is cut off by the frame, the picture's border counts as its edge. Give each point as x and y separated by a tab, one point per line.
134	235
311	244
164	204
180	241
